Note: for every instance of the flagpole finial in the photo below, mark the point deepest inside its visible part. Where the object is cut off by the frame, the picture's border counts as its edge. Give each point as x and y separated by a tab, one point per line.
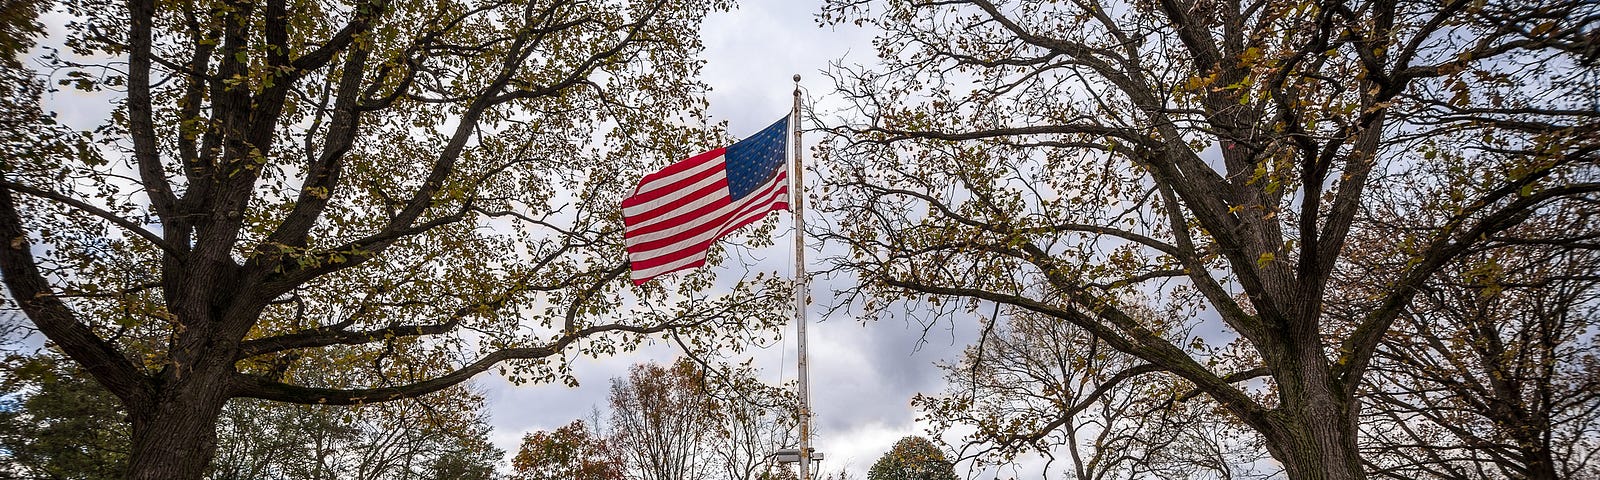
796	78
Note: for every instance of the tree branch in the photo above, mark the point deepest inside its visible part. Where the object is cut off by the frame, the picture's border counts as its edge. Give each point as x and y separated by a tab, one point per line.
1355	354
255	386
60	324
98	212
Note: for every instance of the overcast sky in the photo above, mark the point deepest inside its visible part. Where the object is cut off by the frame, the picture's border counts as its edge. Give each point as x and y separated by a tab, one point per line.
863	375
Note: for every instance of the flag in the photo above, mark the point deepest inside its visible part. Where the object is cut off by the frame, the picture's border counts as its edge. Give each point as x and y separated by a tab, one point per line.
675	214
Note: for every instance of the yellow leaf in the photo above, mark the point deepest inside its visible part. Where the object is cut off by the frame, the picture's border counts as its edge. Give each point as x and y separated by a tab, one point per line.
1265	259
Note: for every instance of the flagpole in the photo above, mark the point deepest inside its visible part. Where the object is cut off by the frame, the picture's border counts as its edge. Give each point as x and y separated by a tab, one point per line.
801	287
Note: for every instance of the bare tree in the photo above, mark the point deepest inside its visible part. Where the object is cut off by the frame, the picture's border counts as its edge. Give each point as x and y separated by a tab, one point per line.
694	420
1490	372
753	420
1034	386
662	422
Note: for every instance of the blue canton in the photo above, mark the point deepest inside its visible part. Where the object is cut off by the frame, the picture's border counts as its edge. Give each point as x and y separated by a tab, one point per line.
754	160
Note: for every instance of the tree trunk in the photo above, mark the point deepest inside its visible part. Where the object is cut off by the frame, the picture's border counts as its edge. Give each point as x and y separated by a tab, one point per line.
1316	451
1314	433
176	438
1541	464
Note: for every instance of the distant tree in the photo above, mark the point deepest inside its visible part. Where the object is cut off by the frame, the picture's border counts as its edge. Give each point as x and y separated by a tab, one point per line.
410	439
913	458
684	421
752	419
469	464
662	422
57	423
841	474
467	457
572	452
1032	385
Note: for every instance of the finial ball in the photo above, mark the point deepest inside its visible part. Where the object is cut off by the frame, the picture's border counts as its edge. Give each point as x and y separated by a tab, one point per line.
797	77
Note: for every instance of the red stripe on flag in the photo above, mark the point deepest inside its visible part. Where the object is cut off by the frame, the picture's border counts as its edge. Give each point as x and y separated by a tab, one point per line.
664	185
718	190
680	167
693	231
706	219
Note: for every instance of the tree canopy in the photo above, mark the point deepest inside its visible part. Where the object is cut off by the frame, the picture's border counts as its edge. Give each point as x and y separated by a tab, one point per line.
684	421
1182	179
913	458
572	452
56	422
403	193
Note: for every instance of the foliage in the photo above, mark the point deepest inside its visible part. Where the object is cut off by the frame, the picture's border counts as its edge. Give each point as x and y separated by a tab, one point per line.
477	464
19	24
913	458
443	435
662	421
683	421
1492	370
1208	163
57	423
406	193
570	452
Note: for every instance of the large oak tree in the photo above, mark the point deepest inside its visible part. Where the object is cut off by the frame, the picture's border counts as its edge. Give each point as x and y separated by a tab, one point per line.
1209	160
373	190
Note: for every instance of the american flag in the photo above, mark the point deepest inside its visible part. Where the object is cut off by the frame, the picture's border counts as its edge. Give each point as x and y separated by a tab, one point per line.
675	214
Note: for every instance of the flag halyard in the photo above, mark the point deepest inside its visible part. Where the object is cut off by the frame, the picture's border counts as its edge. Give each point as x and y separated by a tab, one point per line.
675	214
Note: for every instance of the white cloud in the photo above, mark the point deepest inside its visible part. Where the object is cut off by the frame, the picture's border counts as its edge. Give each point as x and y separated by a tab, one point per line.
863	375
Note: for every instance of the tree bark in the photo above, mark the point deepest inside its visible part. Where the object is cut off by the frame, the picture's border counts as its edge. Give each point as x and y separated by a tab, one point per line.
176	437
1316	440
1537	456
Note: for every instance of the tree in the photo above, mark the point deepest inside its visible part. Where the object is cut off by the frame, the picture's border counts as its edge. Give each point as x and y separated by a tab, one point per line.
753	420
441	435
662	422
1491	371
691	420
427	186
1082	160
1035	386
465	465
912	458
57	423
570	452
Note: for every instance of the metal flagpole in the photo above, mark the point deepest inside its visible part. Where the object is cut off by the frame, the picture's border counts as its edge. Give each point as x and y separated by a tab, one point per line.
801	288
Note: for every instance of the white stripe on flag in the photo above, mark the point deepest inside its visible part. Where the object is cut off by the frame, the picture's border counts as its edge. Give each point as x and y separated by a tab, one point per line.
675	195
755	205
677	213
